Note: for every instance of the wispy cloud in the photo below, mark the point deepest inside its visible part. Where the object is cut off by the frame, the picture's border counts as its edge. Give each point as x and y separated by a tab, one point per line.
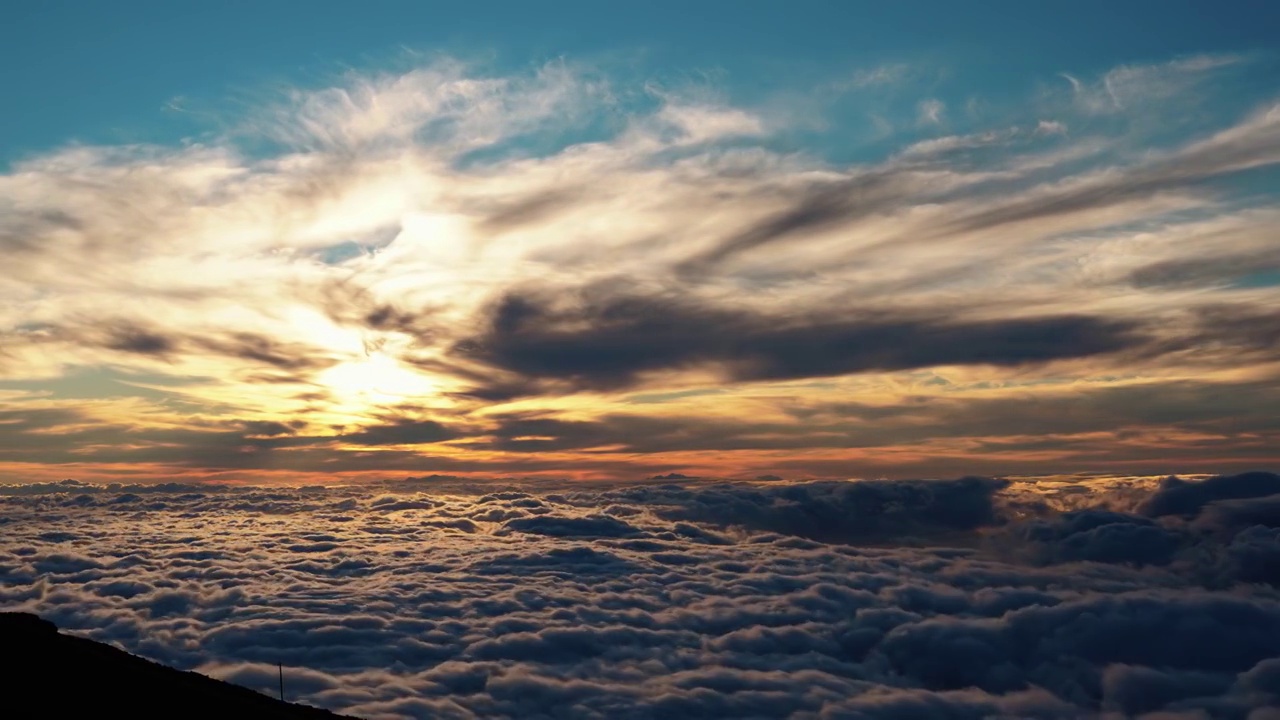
931	111
412	260
1129	87
880	75
1051	127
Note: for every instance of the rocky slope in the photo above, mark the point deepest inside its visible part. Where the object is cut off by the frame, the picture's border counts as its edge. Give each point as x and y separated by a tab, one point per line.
49	674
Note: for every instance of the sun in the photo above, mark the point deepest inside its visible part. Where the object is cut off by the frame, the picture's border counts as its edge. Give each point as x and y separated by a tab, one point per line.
376	379
367	372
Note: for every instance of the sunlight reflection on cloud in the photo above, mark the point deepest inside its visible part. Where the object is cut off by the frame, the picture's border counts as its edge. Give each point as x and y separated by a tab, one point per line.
671	599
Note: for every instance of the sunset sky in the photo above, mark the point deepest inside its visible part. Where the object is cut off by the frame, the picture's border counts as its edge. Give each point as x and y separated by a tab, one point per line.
648	359
310	242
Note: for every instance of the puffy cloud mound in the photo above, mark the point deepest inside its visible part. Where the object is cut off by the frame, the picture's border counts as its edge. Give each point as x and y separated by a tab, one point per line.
830	511
1105	536
678	597
1179	497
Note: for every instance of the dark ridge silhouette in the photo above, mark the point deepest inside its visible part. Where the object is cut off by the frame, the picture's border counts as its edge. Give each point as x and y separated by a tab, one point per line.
87	679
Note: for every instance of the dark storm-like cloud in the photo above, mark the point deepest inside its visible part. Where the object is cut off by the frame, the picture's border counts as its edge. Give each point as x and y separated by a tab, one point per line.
642	434
1254	556
608	443
402	432
135	340
349	303
1236	514
71	436
141	339
510	215
817	206
261	349
676	600
1242	328
590	526
1222	531
1220	335
1180	497
1211	409
1137	689
68	436
270	428
1225	634
1226	270
1104	536
836	511
606	341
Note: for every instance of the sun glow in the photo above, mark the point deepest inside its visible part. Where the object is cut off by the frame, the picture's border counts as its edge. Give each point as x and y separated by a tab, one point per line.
376	379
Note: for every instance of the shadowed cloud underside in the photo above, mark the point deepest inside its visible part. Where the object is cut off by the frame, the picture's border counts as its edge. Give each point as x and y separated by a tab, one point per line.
444	597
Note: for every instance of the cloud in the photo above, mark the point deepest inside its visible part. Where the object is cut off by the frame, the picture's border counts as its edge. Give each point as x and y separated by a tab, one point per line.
952	143
835	511
702	123
670	598
1255	554
435	258
1227	270
1129	87
402	432
591	526
931	112
1178	497
880	75
445	102
606	341
1051	127
1103	536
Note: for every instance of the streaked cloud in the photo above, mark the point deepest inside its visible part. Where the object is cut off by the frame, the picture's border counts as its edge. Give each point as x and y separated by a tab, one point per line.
445	268
1128	87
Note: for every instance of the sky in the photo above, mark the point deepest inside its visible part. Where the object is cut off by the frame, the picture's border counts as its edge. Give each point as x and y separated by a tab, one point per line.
805	360
251	243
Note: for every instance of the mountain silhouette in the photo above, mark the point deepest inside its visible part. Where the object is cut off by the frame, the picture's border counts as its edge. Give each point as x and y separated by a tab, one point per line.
50	674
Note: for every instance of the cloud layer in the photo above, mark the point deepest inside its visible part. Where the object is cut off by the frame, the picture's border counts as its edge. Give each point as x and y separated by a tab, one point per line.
439	597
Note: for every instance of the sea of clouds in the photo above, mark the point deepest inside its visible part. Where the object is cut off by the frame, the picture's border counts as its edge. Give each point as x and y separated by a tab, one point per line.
445	598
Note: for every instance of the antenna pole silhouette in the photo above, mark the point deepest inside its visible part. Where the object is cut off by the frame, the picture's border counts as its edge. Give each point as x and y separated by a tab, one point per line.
280	665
